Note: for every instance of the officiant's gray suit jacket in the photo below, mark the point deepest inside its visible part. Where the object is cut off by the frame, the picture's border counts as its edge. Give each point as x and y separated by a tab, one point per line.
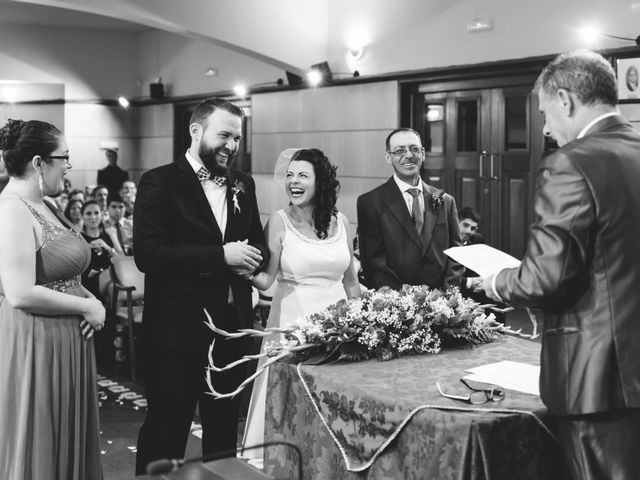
393	253
582	267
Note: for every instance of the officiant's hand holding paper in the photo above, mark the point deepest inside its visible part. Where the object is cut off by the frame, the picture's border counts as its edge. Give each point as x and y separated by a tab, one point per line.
487	286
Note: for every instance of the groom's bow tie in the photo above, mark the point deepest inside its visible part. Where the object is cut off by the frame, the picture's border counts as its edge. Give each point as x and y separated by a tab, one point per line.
205	174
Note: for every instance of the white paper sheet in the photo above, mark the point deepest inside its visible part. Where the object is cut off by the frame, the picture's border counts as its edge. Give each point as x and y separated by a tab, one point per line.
482	259
518	376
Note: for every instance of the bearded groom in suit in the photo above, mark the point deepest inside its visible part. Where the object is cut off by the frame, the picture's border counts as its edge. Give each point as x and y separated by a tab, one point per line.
197	238
404	225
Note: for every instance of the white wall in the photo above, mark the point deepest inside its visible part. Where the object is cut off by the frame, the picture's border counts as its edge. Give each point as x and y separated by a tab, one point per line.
90	64
418	34
181	62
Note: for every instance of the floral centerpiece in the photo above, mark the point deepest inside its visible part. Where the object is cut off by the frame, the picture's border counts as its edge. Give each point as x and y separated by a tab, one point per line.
381	324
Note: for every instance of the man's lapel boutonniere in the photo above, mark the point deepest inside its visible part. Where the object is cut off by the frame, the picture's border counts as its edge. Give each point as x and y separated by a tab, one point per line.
236	189
436	200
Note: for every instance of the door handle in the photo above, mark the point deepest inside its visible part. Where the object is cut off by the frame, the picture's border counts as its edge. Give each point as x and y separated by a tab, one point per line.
492	166
481	158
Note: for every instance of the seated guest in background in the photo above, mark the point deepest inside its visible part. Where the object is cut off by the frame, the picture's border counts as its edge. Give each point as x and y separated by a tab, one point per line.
73	213
100	195
77	195
582	267
405	225
62	201
103	247
67	187
128	194
468	221
112	176
471	283
122	226
97	277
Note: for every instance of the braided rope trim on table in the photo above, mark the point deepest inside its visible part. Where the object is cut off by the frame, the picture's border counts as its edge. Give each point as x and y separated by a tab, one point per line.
379	451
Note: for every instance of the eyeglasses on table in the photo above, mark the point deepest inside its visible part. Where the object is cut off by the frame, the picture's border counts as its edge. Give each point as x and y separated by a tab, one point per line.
477	396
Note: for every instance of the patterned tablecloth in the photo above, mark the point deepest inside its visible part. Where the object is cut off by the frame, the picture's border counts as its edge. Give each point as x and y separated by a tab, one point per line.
386	420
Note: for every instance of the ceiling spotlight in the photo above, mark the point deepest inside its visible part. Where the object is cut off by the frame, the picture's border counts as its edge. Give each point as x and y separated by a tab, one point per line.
124	103
211	72
590	34
314	77
478	25
8	94
240	91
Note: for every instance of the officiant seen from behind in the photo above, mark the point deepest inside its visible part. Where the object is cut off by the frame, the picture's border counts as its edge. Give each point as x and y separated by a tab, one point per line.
582	267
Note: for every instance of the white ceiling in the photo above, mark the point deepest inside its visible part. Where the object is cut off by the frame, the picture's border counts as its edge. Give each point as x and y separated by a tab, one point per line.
36	15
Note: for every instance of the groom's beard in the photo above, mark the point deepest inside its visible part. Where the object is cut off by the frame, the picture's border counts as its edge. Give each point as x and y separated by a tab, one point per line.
214	159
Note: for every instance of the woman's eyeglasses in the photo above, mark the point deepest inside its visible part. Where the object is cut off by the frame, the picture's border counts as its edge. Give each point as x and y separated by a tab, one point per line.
477	396
61	157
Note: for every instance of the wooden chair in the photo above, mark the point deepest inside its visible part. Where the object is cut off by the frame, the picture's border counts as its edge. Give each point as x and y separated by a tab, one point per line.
128	279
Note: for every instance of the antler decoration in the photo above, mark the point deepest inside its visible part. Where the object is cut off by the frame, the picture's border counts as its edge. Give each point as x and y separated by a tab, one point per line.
276	353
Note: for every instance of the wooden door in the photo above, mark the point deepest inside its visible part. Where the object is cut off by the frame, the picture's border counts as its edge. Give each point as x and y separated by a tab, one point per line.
482	147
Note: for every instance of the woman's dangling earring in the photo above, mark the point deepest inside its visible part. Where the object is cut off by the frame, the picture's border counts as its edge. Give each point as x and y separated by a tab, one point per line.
41	184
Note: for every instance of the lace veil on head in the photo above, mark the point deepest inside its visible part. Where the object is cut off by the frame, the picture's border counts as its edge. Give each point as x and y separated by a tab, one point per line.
282	165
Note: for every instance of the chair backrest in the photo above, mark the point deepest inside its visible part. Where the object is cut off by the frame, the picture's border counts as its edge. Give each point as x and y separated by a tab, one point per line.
128	275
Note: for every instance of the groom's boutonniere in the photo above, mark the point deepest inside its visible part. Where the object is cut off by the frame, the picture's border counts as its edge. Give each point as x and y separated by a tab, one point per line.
436	200
236	189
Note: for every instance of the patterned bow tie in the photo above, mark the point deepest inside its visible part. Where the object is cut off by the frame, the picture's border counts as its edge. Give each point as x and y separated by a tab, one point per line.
204	174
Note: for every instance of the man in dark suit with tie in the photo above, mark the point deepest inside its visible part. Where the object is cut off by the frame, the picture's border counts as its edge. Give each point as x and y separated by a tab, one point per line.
197	238
404	225
582	267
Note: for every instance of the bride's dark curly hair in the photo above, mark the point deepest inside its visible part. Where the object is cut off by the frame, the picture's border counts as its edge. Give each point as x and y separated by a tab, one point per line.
327	188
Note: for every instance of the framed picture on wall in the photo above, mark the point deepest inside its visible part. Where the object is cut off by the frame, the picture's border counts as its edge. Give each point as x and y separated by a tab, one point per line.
628	80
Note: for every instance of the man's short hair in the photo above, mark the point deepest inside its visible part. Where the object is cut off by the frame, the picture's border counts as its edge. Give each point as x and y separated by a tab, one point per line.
205	108
387	142
114	197
586	74
470	213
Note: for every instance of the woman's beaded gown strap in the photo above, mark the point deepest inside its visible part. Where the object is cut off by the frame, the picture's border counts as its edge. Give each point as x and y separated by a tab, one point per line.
61	257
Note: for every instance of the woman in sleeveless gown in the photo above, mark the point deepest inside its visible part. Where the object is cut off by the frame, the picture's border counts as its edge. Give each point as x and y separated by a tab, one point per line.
48	394
311	258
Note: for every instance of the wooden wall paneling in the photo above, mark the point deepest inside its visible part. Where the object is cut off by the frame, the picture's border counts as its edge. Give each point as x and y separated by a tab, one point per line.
270	195
52	113
154	120
468	188
515	225
357	153
350	107
350	189
154	151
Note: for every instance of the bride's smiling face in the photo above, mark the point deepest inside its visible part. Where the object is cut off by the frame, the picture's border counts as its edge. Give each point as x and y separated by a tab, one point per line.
301	183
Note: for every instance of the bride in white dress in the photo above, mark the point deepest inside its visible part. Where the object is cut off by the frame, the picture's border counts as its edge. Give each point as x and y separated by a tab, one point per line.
311	258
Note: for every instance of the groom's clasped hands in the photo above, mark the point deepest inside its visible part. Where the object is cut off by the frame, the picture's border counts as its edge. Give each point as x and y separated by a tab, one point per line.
241	257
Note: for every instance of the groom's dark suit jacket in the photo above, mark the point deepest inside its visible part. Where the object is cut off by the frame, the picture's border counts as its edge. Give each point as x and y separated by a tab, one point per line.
582	266
391	250
178	245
